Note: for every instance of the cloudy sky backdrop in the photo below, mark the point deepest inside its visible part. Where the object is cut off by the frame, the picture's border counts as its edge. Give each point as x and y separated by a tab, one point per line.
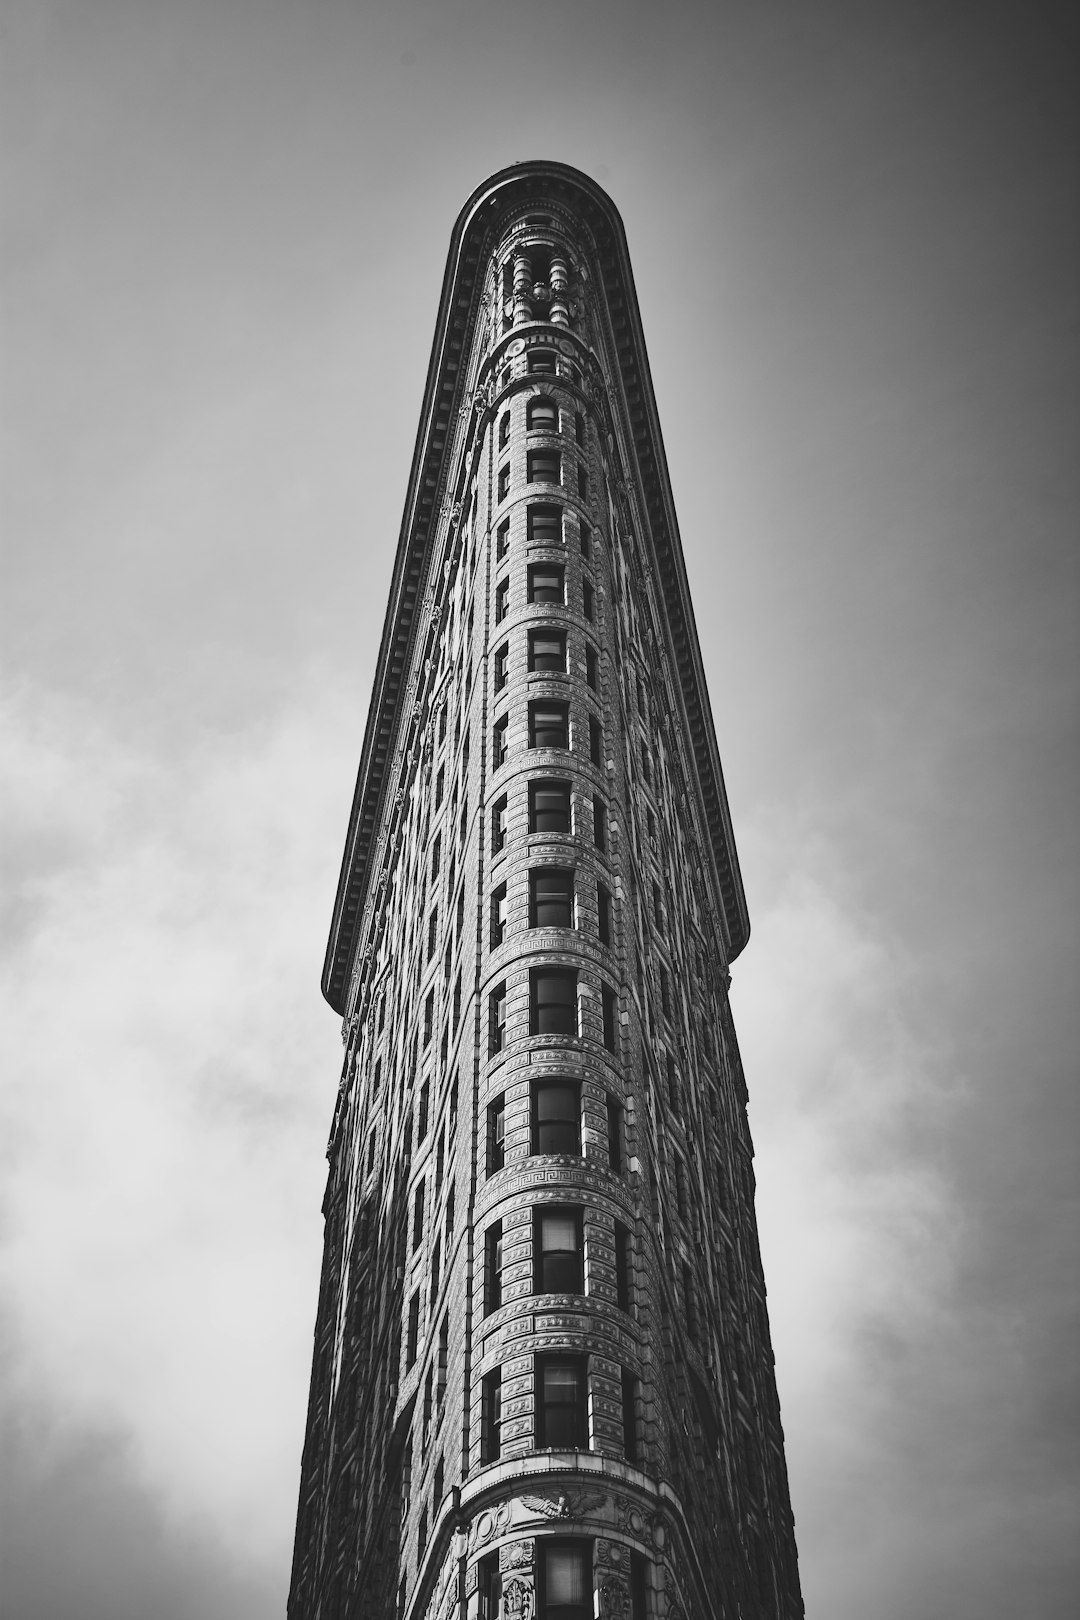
852	225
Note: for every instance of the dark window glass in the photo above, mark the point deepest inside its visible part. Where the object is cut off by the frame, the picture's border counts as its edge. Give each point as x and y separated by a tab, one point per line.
490	1437
544	467
587	601
561	1411
547	651
615	1133
629	1415
498	741
599	822
584	537
554	1001
549	807
603	914
545	526
504	481
496	1134
497	1002
596	741
551	898
592	667
546	583
557	1249
579	428
498	915
542	363
549	725
622	1265
502	600
556	1117
610	1015
583	484
566	1591
504	430
491	1581
502	660
493	1251
637	1586
502	539
498	825
542	413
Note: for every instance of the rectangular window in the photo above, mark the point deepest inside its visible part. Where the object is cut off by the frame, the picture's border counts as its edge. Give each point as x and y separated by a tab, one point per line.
544	525
542	414
493	1252
502	600
596	741
553	1003
561	1404
622	1266
542	363
544	467
579	428
549	725
585	538
566	1587
418	1215
498	825
582	484
557	1251
551	897
501	663
615	1134
504	481
496	1134
549	807
637	1586
629	1416
504	430
490	1578
588	601
599	822
546	583
547	652
611	1014
592	667
603	914
497	1018
412	1337
490	1438
502	540
499	733
556	1116
498	916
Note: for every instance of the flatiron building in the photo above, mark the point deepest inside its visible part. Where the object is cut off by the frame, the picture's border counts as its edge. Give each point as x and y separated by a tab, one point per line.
542	1385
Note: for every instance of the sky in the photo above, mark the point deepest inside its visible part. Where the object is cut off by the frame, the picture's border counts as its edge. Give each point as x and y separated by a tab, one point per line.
853	227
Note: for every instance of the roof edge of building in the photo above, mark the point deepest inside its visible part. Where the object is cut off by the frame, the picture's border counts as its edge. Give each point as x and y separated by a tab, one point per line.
418	532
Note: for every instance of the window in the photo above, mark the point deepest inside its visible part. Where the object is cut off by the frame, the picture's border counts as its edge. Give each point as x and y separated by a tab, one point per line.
561	1415
412	1337
596	741
544	467
615	1134
498	741
549	807
582	484
502	659
557	1251
610	1016
496	1134
498	825
490	1441
504	430
579	428
549	725
497	1005
622	1266
491	1580
504	481
547	651
565	1580
542	363
545	525
493	1252
554	1002
502	600
546	583
542	412
592	666
584	538
637	1586
588	606
599	822
629	1416
556	1116
502	540
418	1215
498	916
551	897
603	914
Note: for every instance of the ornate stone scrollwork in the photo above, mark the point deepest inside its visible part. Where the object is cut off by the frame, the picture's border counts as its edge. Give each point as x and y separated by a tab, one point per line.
517	1600
614	1598
516	1555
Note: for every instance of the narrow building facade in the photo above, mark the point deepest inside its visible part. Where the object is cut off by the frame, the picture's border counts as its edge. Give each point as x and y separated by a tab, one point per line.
542	1385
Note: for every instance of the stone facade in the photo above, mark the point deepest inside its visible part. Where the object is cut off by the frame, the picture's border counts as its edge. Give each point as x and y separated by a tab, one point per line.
542	1380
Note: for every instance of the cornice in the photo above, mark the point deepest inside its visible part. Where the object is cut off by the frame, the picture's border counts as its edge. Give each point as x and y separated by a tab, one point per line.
479	228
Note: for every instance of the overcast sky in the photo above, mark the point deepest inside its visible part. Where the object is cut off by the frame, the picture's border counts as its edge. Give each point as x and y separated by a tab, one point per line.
853	229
